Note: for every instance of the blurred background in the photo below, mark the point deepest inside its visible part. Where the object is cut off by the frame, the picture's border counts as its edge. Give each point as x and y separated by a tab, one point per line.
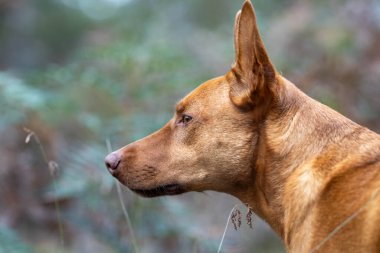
80	72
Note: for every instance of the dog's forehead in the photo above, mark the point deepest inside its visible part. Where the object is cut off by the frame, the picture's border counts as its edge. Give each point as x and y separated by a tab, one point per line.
204	92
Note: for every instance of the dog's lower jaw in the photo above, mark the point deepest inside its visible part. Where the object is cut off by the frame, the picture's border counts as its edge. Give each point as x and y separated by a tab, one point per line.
169	189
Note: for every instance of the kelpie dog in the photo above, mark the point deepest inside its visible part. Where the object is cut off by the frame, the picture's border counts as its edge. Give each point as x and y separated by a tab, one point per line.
308	171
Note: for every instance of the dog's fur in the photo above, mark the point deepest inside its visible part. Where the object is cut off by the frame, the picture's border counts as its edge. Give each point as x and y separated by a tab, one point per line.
300	165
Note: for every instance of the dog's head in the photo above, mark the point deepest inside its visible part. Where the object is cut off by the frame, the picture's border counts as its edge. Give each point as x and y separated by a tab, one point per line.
210	143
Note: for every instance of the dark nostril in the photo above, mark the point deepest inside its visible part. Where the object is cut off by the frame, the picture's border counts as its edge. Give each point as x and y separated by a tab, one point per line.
112	161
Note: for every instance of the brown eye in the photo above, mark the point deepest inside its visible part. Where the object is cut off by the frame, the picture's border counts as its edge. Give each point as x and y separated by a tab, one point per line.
184	120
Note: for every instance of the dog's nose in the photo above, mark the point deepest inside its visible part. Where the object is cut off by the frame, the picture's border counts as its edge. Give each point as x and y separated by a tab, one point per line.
112	161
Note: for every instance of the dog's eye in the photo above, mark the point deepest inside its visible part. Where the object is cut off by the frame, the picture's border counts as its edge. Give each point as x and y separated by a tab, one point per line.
184	120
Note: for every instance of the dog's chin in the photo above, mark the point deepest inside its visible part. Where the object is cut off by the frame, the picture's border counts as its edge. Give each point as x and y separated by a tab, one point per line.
169	189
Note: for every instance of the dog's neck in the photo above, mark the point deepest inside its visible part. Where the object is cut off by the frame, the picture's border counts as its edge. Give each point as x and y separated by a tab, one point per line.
296	130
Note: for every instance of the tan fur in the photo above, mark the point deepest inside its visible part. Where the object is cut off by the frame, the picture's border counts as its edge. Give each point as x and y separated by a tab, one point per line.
301	166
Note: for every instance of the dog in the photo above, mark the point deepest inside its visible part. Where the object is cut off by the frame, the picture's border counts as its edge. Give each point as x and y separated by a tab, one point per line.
310	173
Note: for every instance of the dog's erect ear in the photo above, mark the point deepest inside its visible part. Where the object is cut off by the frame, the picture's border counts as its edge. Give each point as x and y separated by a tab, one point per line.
253	69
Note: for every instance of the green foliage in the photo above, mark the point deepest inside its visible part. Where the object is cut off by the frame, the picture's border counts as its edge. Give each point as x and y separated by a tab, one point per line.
16	99
11	242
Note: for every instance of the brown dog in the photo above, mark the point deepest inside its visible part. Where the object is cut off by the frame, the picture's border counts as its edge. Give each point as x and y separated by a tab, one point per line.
311	173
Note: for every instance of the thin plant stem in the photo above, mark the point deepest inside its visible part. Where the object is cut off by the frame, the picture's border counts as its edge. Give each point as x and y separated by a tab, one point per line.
345	222
125	212
226	227
53	167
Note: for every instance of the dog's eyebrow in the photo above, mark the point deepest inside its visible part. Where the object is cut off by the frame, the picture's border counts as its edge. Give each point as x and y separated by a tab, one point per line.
180	107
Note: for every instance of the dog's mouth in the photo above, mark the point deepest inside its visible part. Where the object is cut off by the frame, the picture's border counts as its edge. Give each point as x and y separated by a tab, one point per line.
169	189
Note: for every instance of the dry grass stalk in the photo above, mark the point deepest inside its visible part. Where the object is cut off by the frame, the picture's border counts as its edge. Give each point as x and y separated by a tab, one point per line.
53	168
